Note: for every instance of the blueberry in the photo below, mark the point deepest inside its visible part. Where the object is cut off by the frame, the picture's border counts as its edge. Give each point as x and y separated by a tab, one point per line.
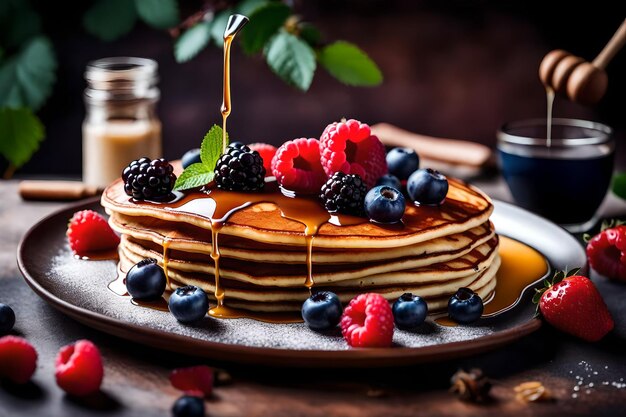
409	311
189	304
384	204
192	156
402	162
390	180
322	310
146	280
7	319
188	406
427	187
465	306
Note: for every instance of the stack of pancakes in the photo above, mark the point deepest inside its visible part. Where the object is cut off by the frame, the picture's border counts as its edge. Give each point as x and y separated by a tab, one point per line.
263	264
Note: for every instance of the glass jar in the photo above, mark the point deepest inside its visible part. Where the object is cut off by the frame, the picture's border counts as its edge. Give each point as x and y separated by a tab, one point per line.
121	122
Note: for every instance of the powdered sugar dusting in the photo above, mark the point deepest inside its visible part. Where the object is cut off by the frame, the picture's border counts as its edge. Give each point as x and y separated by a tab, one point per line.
84	284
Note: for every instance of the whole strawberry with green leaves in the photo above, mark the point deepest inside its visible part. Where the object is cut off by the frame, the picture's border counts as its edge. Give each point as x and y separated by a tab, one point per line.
572	303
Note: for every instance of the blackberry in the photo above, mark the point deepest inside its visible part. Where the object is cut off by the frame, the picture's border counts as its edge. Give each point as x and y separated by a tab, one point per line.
146	179
344	193
240	169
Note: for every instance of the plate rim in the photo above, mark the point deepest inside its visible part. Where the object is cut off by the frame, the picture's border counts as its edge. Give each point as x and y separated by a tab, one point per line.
352	357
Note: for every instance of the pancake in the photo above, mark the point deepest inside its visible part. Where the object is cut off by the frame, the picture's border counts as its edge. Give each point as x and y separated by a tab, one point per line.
281	300
271	217
272	247
190	239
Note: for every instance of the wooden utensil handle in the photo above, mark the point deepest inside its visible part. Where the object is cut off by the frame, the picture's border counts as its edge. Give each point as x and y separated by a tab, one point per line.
451	151
615	44
55	190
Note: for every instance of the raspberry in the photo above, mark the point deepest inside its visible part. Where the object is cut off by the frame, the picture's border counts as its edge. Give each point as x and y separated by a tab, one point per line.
607	253
18	359
267	152
368	321
344	194
79	368
349	147
240	169
195	380
89	232
146	179
297	166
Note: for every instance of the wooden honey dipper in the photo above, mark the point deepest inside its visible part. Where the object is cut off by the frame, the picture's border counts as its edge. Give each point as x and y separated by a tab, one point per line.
582	81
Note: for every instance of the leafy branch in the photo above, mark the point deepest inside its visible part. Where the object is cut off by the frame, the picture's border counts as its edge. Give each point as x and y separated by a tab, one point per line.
292	48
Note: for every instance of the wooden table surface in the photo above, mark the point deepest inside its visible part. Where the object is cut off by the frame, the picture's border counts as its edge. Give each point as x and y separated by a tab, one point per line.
136	377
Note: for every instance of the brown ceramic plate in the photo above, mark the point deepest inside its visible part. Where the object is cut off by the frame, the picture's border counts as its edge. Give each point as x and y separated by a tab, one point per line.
79	289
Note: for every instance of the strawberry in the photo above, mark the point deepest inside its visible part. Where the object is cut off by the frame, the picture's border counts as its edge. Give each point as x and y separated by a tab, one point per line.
89	232
606	252
572	304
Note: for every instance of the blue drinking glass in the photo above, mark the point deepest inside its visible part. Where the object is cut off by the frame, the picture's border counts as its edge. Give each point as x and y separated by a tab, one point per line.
565	182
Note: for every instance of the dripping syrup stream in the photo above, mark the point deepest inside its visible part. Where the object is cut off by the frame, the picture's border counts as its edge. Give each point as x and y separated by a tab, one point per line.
550	103
226	102
215	255
166	260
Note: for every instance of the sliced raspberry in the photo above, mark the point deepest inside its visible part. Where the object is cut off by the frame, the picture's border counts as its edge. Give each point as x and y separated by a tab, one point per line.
297	167
79	369
18	359
89	232
267	152
349	147
368	321
196	380
607	253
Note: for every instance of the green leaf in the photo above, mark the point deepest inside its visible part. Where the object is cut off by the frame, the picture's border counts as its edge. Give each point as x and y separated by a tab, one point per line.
26	78
349	64
110	19
194	40
194	176
211	147
200	174
161	14
247	7
264	23
18	23
218	26
310	34
20	134
291	59
619	185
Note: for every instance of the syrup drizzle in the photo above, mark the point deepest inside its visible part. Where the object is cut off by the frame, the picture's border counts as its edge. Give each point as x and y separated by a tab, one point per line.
550	103
235	23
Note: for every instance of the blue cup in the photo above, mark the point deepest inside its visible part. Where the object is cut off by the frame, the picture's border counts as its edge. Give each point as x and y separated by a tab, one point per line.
565	182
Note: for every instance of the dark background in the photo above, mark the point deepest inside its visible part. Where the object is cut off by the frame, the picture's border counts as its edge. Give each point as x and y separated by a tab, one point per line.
454	69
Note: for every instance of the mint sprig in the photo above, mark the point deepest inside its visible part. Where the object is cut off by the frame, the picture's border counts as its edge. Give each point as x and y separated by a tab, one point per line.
202	173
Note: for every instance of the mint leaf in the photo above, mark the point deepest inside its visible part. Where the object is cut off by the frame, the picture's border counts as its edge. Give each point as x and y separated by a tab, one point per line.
291	59
619	185
110	19
349	64
20	134
161	14
197	175
218	26
194	40
211	147
26	78
247	7
264	23
194	176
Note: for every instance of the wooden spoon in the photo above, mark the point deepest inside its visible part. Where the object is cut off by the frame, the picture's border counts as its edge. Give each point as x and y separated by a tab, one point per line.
582	81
